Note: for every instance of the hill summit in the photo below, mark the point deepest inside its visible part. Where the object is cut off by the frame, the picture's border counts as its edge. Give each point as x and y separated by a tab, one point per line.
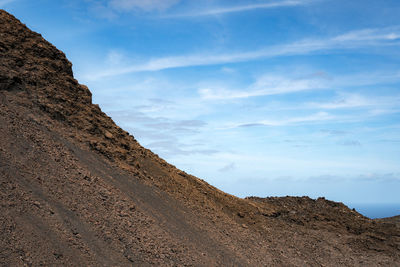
77	190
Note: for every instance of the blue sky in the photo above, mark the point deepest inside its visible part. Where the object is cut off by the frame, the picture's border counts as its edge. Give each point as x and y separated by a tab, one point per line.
266	98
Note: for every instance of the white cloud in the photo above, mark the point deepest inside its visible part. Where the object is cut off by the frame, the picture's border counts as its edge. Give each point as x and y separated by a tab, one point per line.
383	111
229	167
367	79
357	101
146	5
390	33
114	58
264	85
344	101
313	118
353	143
175	148
5	2
177	62
270	84
228	70
351	40
371	106
242	8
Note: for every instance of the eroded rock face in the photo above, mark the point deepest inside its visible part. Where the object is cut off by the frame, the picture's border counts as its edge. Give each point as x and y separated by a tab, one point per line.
75	189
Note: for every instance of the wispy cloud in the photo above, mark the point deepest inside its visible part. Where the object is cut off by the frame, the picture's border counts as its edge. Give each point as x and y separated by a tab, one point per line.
175	148
385	177
353	143
242	8
370	107
357	101
351	40
112	9
313	118
370	35
156	123
272	84
168	137
5	2
334	132
146	5
229	167
265	85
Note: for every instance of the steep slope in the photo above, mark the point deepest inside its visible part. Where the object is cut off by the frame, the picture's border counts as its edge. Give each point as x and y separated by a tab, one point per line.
78	190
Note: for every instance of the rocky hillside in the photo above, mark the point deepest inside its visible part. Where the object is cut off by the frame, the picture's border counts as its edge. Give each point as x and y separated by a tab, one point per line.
77	190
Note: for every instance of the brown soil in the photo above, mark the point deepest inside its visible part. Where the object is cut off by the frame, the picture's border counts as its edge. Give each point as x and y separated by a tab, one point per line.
77	190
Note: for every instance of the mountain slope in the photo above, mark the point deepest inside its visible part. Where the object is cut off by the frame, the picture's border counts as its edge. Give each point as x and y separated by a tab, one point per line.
78	190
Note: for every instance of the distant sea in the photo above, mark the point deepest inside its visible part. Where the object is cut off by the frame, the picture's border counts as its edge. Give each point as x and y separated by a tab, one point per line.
374	211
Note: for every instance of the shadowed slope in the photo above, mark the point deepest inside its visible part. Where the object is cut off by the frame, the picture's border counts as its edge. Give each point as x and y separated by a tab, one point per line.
78	190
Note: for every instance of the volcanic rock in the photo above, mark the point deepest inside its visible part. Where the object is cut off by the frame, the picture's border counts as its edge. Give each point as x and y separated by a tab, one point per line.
77	190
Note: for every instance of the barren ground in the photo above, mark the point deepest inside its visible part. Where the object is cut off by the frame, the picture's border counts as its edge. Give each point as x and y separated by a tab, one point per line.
77	190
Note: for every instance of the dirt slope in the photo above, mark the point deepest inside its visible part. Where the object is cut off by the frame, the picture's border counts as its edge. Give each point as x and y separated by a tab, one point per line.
77	190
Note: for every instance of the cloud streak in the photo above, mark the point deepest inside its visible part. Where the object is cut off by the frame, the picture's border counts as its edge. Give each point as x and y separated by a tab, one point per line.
356	39
313	118
145	5
353	143
242	8
357	101
378	106
229	167
175	148
270	84
265	85
5	2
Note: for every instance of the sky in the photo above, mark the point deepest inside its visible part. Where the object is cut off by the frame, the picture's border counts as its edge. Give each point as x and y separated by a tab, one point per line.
258	98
